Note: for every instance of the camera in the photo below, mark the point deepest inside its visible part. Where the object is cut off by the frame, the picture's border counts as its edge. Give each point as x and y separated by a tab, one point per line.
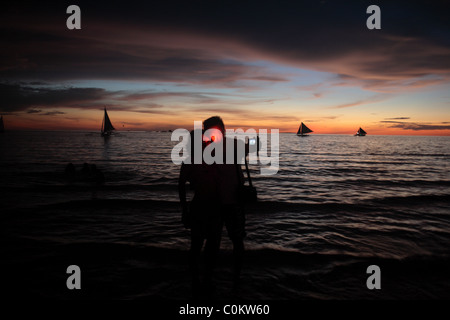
252	145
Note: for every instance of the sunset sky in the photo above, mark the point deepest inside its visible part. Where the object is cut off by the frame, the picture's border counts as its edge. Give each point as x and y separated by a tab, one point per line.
161	65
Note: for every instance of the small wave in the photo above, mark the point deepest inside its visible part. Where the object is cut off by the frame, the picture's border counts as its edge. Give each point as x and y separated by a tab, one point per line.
88	186
411	200
260	207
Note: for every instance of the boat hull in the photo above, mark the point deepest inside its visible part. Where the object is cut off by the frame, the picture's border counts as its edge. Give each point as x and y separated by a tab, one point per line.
106	134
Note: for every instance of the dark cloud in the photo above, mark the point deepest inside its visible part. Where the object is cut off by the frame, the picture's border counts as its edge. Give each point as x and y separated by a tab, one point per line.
53	113
18	97
196	97
267	78
392	84
34	111
49	113
348	105
318	95
398	118
103	59
192	42
26	98
415	126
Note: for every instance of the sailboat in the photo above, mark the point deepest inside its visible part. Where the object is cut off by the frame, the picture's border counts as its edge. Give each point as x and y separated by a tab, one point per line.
303	130
360	133
2	127
107	127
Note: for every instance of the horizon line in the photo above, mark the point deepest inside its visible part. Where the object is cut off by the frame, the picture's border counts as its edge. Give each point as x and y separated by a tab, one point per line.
171	130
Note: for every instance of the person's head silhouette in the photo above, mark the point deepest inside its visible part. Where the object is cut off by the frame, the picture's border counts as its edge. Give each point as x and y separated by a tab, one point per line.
214	129
214	122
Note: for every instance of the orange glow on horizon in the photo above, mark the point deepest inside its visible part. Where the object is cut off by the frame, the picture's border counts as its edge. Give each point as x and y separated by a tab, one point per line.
129	122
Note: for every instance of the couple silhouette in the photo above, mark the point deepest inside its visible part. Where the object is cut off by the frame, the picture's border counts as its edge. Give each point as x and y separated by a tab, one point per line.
215	203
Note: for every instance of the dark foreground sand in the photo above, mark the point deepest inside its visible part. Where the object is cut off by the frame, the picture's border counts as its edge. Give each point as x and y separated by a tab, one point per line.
40	243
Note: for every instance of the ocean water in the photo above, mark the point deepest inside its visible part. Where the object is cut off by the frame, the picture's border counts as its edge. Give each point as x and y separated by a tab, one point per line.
337	204
315	170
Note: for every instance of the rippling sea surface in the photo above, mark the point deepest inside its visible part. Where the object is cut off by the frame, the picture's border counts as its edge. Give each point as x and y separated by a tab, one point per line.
337	204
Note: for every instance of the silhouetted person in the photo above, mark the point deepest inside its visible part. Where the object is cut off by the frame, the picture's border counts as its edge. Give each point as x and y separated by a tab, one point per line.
202	216
70	169
97	176
215	203
229	177
85	170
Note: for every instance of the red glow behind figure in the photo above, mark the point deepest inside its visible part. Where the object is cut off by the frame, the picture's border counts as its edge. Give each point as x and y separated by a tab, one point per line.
213	134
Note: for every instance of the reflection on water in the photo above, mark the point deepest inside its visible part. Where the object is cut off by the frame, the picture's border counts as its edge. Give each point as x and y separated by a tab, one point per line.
314	169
